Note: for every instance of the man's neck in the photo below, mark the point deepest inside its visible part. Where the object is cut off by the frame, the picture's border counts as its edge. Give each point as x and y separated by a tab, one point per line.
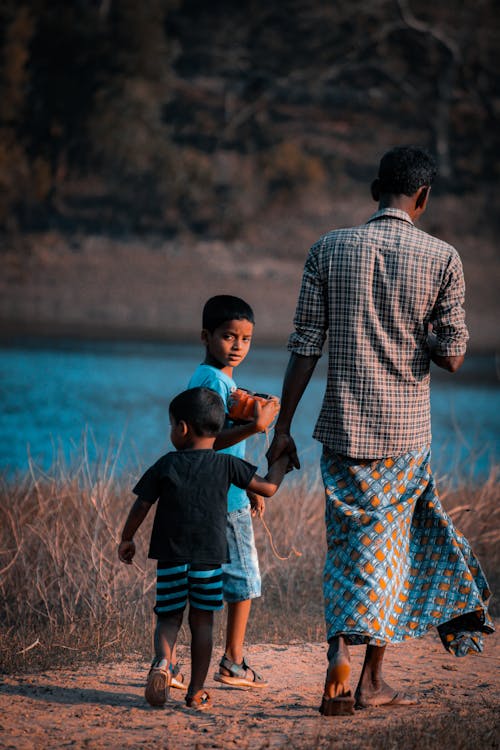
410	204
401	202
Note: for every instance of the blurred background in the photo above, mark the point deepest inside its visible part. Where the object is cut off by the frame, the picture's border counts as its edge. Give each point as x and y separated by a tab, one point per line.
153	154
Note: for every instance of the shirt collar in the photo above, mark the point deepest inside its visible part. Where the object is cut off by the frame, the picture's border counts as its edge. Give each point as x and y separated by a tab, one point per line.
390	213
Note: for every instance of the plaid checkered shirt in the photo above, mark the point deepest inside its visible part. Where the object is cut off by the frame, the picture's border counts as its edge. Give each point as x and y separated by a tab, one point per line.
376	289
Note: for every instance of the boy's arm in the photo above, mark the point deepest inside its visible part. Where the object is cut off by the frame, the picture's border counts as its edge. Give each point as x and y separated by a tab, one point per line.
264	416
138	512
269	484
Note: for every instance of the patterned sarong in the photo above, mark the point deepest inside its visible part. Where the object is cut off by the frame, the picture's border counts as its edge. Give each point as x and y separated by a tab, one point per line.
395	565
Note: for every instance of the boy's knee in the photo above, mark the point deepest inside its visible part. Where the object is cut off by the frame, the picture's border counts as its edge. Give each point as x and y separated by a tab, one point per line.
168	618
200	616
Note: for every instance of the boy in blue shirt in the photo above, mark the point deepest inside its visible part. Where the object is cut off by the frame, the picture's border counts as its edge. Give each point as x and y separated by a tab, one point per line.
228	324
189	534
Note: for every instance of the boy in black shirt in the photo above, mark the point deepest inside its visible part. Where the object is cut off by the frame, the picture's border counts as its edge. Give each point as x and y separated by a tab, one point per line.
189	533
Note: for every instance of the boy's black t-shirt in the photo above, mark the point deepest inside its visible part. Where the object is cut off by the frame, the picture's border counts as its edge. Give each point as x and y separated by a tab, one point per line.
191	488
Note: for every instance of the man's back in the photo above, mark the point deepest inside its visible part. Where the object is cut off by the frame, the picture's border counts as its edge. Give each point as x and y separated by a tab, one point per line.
376	288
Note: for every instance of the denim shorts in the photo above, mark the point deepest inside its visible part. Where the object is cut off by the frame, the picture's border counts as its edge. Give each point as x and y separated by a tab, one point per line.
241	576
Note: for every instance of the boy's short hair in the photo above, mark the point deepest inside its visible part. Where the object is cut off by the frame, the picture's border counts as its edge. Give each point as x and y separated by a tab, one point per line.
224	307
201	408
404	169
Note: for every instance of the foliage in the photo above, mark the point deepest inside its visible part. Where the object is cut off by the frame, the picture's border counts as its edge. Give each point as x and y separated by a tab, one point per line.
126	115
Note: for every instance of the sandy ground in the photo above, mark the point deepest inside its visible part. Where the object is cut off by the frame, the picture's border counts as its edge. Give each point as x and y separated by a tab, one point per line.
103	706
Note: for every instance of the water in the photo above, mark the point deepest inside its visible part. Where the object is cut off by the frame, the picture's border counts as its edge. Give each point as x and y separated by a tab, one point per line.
56	396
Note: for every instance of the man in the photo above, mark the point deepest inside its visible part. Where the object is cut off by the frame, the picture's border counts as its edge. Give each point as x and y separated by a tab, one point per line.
395	565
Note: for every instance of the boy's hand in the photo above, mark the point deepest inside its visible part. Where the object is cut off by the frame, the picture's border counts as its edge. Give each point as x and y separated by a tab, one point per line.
257	504
126	552
265	414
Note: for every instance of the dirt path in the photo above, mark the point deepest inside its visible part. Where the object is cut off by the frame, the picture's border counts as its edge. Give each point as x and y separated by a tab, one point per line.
103	706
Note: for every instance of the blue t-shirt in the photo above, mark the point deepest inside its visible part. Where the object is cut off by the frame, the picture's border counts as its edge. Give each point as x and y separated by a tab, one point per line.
210	377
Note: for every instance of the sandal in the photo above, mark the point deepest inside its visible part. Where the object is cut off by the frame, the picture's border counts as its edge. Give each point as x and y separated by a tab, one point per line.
176	677
198	701
158	683
238	675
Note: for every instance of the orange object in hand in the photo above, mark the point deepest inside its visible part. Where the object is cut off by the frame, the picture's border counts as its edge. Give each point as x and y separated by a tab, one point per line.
242	404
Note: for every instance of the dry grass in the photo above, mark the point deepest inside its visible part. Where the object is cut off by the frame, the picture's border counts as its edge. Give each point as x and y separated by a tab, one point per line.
65	597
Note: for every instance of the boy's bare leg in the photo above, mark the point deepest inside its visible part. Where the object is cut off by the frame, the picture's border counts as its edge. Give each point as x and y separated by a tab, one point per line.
201	626
166	631
158	681
372	690
237	620
339	669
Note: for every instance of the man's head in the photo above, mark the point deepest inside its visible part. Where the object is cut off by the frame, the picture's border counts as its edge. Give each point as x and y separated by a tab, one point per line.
197	410
227	330
405	172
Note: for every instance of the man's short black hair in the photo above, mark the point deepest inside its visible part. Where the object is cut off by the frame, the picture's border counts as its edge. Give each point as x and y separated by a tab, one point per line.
201	408
224	307
405	169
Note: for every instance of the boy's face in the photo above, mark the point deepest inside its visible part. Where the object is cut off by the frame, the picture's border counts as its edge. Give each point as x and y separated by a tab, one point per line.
228	345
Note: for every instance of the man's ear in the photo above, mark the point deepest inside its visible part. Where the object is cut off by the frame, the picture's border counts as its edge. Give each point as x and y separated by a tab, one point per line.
422	197
375	190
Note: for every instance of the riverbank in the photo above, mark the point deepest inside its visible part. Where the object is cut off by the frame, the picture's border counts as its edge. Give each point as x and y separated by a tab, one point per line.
152	288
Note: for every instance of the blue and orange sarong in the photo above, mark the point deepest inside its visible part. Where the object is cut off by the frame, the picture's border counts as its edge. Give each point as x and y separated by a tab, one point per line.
396	566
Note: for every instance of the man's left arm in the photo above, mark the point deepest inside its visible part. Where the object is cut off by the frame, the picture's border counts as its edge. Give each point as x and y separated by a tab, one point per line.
448	340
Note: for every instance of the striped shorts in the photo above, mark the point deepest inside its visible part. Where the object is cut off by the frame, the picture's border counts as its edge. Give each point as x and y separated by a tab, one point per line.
175	584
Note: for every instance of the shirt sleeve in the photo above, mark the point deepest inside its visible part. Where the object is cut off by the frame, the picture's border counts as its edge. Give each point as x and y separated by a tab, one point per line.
241	471
448	321
310	319
148	486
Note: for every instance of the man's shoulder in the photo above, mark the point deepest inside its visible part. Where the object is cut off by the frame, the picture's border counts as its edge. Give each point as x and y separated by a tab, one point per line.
433	246
341	235
395	232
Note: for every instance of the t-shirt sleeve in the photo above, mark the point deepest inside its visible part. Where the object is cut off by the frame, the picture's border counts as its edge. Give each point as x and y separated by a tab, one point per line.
148	486
241	471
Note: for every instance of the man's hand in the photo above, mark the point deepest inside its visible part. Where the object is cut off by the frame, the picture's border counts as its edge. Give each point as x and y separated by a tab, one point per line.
283	443
257	504
265	414
126	552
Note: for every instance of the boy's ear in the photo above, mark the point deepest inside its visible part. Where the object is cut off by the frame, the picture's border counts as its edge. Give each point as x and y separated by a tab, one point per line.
204	336
183	427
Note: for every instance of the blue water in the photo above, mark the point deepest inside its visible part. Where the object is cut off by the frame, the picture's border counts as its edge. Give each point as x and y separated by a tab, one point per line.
58	396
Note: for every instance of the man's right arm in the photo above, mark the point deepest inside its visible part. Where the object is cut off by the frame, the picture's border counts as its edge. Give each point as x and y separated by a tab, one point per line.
305	344
297	376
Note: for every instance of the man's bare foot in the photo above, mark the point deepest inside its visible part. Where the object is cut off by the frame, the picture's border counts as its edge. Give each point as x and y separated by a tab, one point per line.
381	694
337	677
337	698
